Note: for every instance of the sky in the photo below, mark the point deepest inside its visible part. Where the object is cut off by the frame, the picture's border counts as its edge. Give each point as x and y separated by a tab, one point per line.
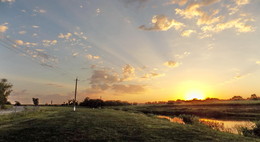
130	50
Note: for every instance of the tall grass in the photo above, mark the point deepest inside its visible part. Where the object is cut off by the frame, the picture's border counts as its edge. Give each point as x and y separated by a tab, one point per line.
254	132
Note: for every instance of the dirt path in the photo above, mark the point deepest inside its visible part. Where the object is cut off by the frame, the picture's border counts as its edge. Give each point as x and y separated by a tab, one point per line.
12	110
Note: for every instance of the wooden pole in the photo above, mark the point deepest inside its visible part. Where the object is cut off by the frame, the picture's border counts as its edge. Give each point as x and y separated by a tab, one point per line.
75	97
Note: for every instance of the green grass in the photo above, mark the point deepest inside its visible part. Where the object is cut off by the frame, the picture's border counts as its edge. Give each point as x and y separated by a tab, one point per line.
61	124
7	107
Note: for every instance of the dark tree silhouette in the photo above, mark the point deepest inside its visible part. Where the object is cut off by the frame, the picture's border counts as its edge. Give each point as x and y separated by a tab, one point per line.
35	101
236	98
5	91
17	103
253	97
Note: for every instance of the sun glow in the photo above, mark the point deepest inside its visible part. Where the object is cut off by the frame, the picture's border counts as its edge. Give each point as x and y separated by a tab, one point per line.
194	94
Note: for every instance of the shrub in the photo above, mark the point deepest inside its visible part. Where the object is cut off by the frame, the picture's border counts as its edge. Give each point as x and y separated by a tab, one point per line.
17	103
189	119
255	132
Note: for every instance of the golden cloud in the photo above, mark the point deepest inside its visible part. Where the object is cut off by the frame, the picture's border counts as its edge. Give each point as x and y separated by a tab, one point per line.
3	28
66	36
91	57
171	64
19	42
187	33
128	72
152	75
163	23
49	42
241	2
238	24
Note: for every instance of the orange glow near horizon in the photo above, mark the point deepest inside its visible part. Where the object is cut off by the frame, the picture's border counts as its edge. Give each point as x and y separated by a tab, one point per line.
194	94
194	89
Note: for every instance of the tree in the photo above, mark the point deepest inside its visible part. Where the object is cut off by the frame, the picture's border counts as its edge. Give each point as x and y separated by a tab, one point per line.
35	101
17	103
253	97
5	91
236	98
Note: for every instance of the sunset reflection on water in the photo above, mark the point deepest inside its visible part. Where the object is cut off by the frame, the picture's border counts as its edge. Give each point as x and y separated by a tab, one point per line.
229	126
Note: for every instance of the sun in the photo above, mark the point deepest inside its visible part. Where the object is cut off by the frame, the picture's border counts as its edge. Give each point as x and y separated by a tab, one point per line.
194	94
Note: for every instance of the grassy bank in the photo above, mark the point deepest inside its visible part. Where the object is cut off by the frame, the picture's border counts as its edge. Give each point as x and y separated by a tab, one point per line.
61	124
231	110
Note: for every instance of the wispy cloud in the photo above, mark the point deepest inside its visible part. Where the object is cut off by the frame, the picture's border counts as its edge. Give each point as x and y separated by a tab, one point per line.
38	10
3	28
92	57
152	75
10	1
22	32
66	36
35	26
128	72
171	64
48	43
187	33
163	23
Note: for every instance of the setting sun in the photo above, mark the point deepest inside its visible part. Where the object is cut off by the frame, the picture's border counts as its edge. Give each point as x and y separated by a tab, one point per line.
194	94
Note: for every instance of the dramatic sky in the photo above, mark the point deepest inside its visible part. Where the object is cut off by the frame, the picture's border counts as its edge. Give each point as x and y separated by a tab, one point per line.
132	50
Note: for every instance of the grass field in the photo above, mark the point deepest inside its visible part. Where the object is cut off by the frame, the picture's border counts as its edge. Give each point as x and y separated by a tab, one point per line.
231	110
62	124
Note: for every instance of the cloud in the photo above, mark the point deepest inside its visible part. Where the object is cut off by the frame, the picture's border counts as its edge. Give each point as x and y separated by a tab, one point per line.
66	36
187	33
129	89
3	28
194	10
98	11
81	35
23	43
92	57
35	26
152	75
100	86
238	24
179	2
163	23
171	64
257	62
22	32
19	42
128	72
47	43
184	54
104	77
10	1
242	2
37	10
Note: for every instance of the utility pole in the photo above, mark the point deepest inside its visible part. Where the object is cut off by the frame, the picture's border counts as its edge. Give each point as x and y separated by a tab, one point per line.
75	97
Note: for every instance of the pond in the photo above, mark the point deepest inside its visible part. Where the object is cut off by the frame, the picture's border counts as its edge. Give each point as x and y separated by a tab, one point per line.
230	126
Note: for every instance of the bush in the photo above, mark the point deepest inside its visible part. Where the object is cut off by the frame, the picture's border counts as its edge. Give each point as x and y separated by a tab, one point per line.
17	103
189	119
255	132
